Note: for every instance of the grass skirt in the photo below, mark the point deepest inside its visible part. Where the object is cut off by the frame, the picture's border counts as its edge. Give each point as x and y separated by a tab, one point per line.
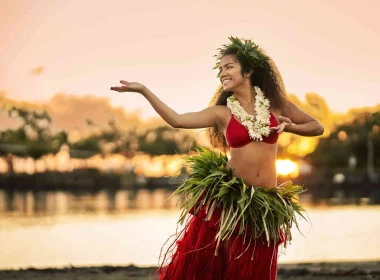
232	231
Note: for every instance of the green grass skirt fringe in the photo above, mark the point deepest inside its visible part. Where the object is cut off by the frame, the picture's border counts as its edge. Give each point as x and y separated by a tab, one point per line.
268	213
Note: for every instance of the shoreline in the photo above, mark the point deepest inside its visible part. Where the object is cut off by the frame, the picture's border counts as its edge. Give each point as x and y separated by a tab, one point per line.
300	271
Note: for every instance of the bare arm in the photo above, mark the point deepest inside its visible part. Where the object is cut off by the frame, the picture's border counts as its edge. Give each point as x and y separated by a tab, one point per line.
206	118
299	122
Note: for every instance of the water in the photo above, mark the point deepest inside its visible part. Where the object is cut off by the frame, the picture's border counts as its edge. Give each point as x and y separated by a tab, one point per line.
57	228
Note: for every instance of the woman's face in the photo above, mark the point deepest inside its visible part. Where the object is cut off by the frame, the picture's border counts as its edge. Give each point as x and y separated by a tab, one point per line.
230	72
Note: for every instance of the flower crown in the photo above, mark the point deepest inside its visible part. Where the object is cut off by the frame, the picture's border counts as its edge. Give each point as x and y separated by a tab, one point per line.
244	49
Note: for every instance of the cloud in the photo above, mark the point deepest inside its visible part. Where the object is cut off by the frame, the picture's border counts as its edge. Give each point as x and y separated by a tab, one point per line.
38	70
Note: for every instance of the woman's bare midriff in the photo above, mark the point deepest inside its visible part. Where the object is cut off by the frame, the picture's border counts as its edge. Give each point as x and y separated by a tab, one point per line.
255	163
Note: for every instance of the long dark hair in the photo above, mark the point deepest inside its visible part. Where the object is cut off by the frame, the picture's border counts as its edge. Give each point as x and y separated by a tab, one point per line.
267	78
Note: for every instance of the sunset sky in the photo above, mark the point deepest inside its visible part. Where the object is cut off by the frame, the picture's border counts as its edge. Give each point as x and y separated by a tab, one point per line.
85	47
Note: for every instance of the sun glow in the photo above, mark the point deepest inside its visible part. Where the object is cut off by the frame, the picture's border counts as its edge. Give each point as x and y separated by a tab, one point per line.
287	167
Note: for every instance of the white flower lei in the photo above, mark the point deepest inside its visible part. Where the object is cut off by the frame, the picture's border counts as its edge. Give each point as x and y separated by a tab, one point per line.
260	127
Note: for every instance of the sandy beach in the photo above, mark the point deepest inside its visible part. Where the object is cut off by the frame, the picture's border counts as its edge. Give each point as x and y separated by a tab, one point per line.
305	271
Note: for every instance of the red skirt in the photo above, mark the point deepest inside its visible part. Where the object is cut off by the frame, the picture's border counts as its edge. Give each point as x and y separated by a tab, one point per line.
192	256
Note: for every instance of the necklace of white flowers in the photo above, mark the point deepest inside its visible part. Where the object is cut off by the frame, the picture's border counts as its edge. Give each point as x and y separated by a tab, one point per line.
258	128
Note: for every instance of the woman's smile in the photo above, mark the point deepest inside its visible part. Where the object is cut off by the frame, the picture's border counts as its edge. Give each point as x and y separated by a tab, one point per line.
226	81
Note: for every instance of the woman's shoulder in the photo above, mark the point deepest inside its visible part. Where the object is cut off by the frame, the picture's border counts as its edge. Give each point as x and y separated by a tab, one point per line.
281	108
222	110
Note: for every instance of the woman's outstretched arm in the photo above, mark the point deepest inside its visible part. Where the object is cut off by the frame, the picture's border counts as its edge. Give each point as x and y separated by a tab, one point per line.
206	118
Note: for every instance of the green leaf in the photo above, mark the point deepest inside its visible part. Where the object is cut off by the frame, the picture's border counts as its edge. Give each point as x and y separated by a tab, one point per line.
223	191
243	197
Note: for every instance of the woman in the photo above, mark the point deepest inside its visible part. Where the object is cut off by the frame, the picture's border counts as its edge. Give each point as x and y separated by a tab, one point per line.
238	214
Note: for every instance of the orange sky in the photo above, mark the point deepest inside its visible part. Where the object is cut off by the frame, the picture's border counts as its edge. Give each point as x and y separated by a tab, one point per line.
328	47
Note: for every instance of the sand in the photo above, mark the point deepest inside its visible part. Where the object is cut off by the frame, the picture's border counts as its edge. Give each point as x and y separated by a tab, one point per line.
315	271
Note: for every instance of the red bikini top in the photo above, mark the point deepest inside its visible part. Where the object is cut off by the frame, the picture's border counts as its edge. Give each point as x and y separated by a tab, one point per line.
237	134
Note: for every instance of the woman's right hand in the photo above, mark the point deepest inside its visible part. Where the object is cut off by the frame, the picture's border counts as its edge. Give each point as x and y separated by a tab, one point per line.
129	86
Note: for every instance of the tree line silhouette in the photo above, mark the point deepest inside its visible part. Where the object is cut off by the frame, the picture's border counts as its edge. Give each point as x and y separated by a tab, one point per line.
35	138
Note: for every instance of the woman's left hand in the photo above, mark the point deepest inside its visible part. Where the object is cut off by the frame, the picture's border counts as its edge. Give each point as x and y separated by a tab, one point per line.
284	123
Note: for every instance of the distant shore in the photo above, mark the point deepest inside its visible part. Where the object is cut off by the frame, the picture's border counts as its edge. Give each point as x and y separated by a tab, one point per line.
302	271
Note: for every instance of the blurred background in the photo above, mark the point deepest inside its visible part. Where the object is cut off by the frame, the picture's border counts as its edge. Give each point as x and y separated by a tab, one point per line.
86	173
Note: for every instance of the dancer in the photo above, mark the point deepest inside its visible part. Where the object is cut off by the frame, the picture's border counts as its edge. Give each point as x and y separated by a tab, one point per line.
234	213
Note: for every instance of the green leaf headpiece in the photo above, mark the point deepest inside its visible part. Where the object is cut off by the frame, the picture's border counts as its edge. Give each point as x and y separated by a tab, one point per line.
245	49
